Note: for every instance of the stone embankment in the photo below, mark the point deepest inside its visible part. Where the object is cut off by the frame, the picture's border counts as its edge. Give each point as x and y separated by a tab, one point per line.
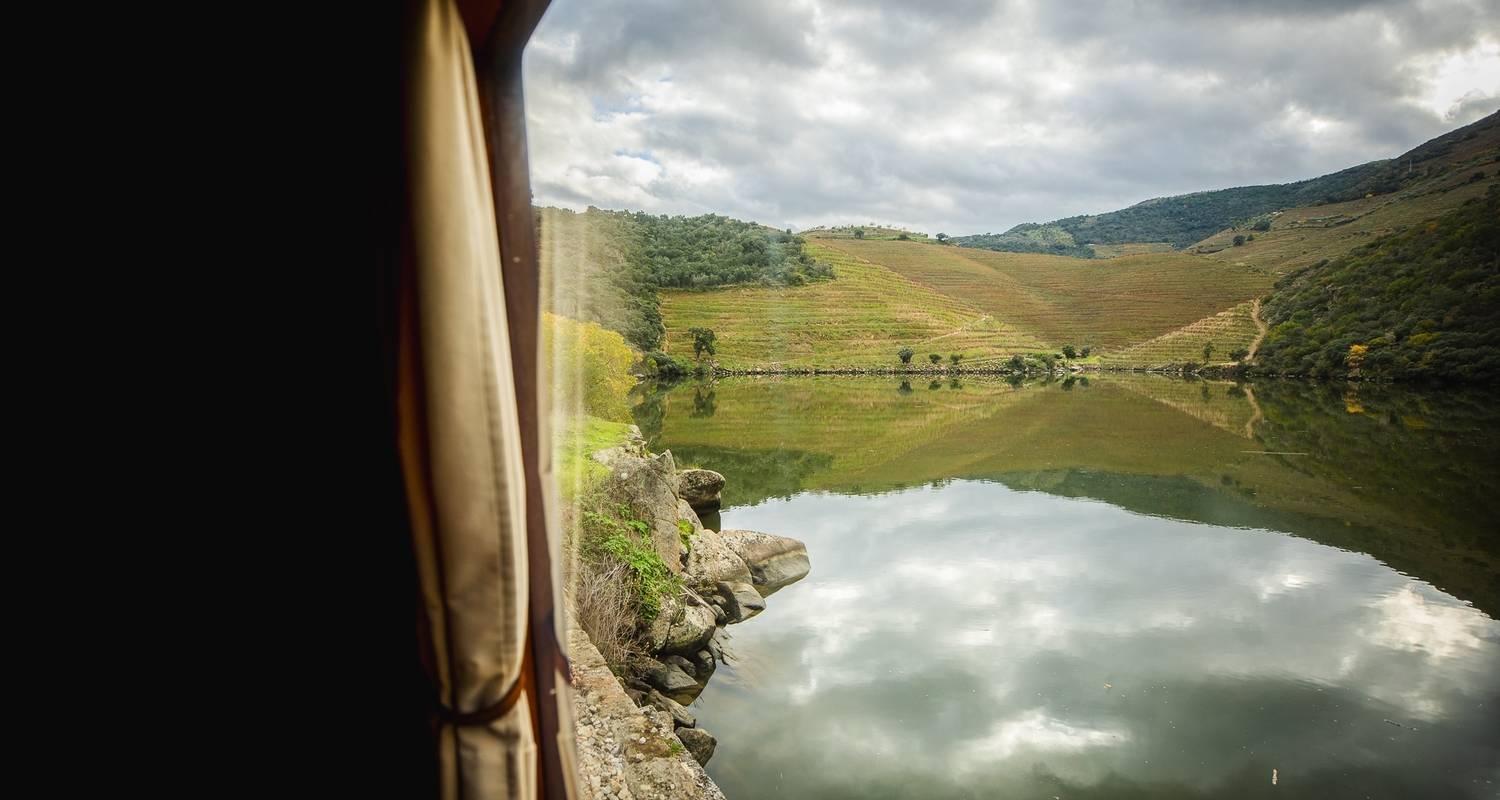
639	739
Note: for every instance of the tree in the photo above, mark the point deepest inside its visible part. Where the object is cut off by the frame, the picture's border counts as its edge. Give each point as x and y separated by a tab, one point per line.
1017	363
1261	225
859	233
1069	352
955	358
905	354
703	342
1239	239
1238	354
942	237
1208	351
1085	351
903	237
934	357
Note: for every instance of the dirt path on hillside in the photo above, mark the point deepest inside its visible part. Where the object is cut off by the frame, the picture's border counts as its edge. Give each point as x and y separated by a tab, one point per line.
1260	328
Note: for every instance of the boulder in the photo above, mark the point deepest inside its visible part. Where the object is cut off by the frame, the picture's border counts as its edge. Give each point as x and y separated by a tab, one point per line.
774	561
740	600
699	743
700	488
669	678
648	487
711	561
681	717
705	663
682	664
683	625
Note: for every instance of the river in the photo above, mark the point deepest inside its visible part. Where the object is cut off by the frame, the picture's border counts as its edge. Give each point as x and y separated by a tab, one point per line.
1113	586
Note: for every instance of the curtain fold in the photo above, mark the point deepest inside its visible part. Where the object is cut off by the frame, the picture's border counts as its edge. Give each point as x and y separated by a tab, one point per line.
459	434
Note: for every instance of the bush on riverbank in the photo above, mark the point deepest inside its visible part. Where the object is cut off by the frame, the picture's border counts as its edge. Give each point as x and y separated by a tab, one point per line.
590	366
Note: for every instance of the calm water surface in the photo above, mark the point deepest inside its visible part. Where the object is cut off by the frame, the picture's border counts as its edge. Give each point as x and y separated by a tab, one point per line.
1126	587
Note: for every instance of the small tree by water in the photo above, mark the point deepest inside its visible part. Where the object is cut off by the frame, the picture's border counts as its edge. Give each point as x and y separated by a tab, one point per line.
934	357
703	342
905	354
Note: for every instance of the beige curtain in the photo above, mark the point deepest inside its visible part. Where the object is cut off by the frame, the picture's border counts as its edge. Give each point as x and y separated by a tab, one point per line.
459	433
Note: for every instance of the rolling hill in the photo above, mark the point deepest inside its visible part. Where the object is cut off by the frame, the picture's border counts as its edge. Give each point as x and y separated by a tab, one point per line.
1182	220
859	319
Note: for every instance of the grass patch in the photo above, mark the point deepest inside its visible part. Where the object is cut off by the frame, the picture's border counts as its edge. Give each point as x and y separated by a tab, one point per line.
575	441
618	536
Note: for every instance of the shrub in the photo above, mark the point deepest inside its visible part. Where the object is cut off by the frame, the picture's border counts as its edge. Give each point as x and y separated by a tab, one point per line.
1017	363
1069	352
934	357
954	358
1239	239
1086	350
590	365
905	354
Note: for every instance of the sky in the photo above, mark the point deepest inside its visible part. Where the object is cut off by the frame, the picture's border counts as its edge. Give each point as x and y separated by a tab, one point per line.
971	116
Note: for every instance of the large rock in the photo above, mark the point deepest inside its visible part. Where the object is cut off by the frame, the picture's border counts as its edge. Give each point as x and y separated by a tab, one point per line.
740	601
711	561
774	561
683	625
681	717
700	743
648	487
700	488
669	678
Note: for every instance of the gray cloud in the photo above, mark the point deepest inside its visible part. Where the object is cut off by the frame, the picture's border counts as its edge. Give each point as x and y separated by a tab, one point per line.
977	115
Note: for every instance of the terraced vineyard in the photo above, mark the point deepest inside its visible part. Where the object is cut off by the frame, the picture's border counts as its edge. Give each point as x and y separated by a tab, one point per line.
1302	236
860	319
1226	331
1107	304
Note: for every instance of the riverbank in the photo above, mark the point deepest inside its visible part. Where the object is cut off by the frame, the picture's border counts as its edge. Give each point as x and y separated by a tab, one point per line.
651	592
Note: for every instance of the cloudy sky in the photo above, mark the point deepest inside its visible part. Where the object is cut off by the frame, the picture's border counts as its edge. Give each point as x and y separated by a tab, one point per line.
971	116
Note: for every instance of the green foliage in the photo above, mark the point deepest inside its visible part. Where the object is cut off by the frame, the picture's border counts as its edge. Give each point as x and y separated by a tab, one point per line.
1017	363
1238	354
905	354
859	233
934	357
1029	238
1239	239
664	367
906	238
606	266
942	237
685	533
590	366
1069	352
621	537
703	341
1263	224
1086	350
1208	351
1418	304
954	358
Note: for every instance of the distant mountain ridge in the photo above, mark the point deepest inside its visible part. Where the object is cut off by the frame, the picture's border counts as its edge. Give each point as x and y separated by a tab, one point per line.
1182	220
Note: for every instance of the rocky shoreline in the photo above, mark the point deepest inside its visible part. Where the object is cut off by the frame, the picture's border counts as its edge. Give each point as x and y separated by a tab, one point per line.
637	738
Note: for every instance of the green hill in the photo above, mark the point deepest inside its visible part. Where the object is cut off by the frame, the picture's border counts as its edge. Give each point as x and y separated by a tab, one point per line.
1185	219
607	266
1422	303
1104	304
861	319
